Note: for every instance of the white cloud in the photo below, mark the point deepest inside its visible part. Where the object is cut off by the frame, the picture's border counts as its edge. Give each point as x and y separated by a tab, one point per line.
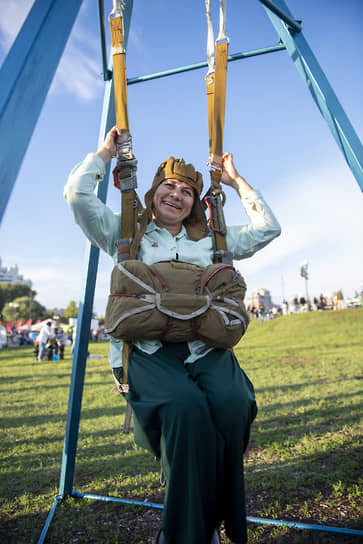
321	215
79	70
13	15
58	281
78	74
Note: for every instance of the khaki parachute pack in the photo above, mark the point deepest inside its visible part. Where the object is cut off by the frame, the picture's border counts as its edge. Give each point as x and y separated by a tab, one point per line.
177	301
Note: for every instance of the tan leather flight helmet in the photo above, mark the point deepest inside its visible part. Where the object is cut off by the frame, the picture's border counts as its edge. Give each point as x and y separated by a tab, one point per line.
196	224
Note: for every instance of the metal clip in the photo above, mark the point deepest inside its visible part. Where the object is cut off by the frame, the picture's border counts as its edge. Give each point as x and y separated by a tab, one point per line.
217	203
124	146
126	172
214	163
223	256
123	249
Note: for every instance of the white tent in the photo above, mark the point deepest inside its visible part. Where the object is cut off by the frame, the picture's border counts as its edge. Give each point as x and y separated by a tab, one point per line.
3	340
37	326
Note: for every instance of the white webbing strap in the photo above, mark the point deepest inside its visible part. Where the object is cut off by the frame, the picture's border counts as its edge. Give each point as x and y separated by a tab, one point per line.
222	20
135	279
210	39
130	313
222	31
118	6
226	312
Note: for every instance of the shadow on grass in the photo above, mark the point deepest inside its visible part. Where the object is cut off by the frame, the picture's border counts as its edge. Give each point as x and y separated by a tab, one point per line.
39	419
300	423
31	378
29	381
94	522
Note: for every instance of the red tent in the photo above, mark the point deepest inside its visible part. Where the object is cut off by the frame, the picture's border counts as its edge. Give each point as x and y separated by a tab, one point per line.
9	326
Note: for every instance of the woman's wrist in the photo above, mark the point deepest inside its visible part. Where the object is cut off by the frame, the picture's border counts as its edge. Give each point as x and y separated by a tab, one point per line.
105	154
241	186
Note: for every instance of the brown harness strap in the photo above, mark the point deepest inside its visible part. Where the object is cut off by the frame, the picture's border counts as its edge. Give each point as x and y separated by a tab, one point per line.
125	171
215	198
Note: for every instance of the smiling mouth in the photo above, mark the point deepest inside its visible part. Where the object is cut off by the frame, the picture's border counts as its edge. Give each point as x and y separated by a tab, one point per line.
171	205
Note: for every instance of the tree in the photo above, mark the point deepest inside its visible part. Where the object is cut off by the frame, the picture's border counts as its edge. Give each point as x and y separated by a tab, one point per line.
24	308
10	291
71	310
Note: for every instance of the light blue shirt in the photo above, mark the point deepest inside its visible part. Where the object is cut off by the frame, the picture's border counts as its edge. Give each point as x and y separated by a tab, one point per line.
102	227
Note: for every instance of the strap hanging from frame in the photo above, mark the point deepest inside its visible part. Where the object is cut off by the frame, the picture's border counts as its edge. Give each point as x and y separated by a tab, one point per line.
125	171
216	97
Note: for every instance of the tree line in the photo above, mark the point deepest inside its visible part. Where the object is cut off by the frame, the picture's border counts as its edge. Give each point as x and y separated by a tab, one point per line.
17	302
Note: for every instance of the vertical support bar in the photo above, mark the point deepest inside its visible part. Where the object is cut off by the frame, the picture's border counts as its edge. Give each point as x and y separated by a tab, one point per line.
107	74
25	78
85	305
321	91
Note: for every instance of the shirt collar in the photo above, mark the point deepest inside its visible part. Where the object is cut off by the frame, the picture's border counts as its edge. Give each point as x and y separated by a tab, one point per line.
153	227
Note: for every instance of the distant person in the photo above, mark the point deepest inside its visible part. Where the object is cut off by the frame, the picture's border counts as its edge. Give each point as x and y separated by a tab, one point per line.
61	341
50	349
295	306
194	404
44	335
340	300
74	335
322	302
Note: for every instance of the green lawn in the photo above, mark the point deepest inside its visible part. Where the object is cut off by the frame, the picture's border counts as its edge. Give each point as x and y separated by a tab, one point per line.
303	463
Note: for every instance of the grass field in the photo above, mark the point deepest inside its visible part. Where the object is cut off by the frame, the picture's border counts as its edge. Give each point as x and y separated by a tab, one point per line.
303	463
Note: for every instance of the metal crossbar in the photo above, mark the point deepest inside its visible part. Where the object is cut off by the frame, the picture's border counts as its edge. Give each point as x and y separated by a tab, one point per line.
251	519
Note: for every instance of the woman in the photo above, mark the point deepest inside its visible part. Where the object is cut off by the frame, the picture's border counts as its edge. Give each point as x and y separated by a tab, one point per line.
192	402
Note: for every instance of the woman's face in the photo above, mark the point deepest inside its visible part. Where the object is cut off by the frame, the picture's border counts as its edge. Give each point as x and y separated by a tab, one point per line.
172	203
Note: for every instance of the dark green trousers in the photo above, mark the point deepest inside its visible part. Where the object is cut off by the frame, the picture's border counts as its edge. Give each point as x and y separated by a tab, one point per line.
196	418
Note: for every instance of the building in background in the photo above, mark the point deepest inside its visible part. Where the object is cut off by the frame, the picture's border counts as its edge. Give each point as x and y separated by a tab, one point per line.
260	297
11	274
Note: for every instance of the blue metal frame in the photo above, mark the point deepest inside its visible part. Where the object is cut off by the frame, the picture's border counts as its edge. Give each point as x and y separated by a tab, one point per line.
319	87
22	95
86	302
25	78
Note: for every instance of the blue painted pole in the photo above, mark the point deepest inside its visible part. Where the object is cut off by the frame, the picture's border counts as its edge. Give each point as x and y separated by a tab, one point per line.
86	305
321	91
251	519
282	14
204	64
50	517
107	74
304	526
25	78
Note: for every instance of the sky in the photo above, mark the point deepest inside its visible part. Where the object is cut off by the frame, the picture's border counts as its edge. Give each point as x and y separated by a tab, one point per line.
280	142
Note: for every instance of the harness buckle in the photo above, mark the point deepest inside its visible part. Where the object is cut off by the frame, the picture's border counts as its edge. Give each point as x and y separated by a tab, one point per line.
223	256
216	209
124	146
123	249
214	163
